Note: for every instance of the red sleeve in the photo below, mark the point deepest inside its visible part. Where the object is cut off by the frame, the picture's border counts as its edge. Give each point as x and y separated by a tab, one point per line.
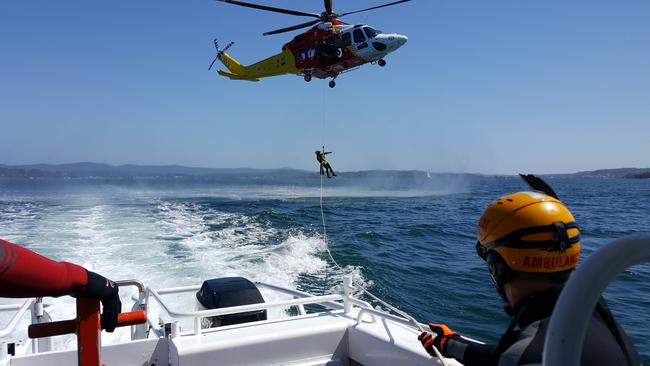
24	273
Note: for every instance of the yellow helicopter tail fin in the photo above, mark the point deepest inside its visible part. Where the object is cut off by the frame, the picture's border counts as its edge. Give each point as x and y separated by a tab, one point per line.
233	65
235	68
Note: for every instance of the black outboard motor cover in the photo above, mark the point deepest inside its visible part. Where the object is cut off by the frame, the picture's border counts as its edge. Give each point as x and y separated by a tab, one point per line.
231	291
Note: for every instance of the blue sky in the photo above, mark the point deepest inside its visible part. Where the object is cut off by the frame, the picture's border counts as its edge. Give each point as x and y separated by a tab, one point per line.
482	86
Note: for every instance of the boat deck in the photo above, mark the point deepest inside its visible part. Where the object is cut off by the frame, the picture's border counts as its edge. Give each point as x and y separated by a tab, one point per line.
346	332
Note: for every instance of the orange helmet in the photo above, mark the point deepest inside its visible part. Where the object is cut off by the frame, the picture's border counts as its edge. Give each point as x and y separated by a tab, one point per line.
528	232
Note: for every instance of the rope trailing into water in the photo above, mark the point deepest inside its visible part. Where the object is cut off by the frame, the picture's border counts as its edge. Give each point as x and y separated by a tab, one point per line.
363	289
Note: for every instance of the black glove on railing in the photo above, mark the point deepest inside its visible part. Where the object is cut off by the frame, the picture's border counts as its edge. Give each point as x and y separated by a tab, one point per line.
106	291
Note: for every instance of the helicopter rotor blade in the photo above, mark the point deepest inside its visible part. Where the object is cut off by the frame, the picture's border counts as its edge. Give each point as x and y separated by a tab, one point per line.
374	7
227	47
328	6
271	8
219	52
216	47
293	27
212	63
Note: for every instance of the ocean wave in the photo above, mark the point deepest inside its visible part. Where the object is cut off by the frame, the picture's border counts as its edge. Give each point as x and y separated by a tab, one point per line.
417	253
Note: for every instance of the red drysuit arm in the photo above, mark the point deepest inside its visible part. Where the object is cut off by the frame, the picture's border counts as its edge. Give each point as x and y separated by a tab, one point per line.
24	273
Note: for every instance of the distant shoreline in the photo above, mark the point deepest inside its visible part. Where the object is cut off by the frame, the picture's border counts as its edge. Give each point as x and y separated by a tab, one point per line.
129	171
644	175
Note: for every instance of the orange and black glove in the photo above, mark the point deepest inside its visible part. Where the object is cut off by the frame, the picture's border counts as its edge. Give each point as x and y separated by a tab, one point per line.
443	334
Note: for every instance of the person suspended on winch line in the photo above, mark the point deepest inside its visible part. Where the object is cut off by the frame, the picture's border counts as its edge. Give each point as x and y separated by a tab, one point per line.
325	167
24	273
531	244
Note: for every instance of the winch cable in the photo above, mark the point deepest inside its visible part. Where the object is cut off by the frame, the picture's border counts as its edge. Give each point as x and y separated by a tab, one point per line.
320	171
364	290
322	215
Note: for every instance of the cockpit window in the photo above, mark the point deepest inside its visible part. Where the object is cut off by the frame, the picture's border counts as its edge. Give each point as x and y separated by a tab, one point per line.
358	36
379	46
370	32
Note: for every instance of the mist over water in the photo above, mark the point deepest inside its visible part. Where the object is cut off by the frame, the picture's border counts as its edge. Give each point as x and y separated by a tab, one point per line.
412	244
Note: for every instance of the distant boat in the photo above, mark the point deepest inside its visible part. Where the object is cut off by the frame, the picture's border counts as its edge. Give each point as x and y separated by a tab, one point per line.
428	174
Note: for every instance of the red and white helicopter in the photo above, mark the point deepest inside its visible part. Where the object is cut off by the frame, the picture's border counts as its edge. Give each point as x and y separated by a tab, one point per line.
326	50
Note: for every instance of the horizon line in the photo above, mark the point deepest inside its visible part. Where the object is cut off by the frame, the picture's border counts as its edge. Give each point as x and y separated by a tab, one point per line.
22	166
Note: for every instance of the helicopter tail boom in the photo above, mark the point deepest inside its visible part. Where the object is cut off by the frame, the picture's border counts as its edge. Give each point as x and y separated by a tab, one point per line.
281	63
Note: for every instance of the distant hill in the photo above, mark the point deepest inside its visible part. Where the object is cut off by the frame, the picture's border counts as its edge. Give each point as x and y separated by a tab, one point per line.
368	179
131	171
644	175
13	172
605	173
85	169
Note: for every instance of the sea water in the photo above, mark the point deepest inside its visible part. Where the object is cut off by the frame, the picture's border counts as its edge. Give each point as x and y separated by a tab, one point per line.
412	245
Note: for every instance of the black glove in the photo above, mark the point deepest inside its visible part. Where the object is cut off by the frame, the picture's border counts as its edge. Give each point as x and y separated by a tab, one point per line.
106	291
443	334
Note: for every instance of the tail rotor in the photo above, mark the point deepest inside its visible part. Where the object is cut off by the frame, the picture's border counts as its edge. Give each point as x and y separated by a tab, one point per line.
219	52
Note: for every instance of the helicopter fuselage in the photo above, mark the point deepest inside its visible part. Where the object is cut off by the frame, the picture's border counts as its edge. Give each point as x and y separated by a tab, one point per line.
324	51
329	49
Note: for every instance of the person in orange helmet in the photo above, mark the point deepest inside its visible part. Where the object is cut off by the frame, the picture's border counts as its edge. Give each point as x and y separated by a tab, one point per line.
531	244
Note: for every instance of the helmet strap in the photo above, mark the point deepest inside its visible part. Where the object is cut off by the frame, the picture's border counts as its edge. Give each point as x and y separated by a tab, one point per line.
561	235
560	242
499	272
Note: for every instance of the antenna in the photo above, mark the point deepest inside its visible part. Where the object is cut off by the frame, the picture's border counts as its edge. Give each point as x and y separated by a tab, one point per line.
538	184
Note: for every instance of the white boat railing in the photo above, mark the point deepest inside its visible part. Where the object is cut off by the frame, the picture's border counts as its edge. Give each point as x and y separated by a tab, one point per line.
297	294
381	314
20	310
300	299
343	303
38	315
137	331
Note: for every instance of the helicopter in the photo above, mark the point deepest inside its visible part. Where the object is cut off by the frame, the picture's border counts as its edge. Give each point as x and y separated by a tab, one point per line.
328	49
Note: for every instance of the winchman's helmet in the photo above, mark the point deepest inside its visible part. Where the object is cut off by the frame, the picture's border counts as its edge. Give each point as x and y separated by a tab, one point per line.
527	232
